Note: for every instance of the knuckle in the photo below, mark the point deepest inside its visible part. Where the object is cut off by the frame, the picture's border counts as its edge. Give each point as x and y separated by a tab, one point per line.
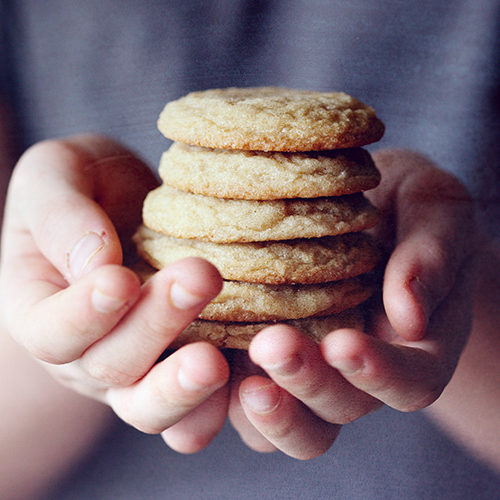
35	337
107	374
154	328
137	418
160	413
436	249
450	188
29	165
142	424
26	163
349	415
423	401
309	391
430	183
444	262
344	419
162	396
280	431
48	355
187	443
319	450
429	391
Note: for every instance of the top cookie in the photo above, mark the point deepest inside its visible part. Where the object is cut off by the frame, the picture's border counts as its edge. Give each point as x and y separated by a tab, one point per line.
270	119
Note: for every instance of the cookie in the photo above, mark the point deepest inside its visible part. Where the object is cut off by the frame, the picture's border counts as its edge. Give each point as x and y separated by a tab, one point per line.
267	183
303	261
239	335
254	175
186	215
256	302
270	119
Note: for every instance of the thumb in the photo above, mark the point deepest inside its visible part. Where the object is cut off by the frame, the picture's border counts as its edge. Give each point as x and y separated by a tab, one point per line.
69	203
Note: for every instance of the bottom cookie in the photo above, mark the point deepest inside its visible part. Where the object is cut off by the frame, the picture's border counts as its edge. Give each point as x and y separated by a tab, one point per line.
239	335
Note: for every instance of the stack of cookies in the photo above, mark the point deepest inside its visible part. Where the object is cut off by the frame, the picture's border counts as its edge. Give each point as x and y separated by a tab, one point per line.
267	184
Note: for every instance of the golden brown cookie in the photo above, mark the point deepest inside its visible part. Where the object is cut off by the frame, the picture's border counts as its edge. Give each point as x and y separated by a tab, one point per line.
254	175
186	215
270	119
239	335
256	302
306	261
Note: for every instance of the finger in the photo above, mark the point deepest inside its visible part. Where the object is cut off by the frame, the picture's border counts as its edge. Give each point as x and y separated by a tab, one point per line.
242	368
172	389
296	364
284	421
197	429
169	301
402	377
57	325
57	204
434	235
411	375
245	429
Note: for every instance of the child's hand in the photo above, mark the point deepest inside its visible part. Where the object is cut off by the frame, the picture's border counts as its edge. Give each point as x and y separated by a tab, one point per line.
67	298
417	334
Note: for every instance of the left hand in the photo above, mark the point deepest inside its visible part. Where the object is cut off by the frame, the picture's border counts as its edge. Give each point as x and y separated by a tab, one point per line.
300	393
66	298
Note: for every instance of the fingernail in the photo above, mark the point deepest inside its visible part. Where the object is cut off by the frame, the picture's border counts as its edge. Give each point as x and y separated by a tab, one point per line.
182	298
187	384
264	399
83	252
106	303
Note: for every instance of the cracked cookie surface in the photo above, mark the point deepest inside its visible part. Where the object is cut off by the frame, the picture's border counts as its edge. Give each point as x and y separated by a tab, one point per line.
270	119
185	215
304	261
242	302
255	302
255	175
239	335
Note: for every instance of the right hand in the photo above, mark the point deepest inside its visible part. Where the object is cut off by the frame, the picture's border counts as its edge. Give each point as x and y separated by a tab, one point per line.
68	299
407	356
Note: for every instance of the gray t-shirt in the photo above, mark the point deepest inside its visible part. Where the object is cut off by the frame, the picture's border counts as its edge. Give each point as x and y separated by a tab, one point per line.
431	70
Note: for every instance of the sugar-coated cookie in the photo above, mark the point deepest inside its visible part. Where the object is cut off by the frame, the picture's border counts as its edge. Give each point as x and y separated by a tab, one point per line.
255	302
255	175
186	215
239	335
306	261
268	184
270	119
